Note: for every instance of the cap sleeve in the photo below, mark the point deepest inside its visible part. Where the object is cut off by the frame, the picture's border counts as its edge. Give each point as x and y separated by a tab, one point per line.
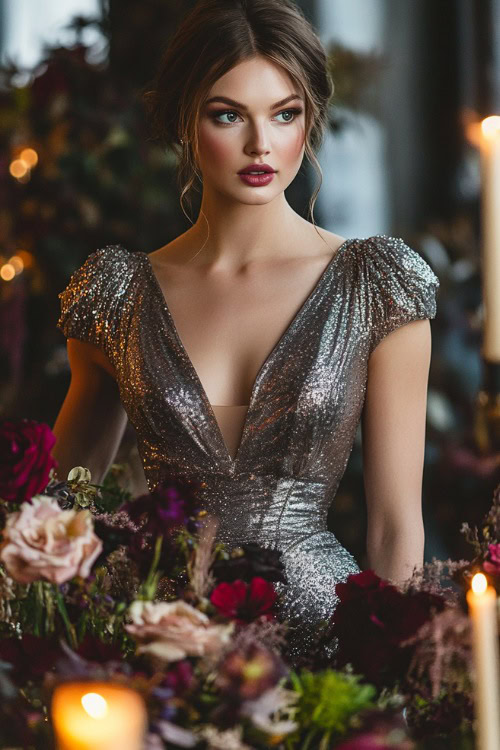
402	286
94	301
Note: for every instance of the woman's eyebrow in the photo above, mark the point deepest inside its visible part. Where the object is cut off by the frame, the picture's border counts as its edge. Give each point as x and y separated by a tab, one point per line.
233	103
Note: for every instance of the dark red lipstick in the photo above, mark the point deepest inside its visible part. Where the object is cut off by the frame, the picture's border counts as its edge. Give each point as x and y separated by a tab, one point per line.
257	175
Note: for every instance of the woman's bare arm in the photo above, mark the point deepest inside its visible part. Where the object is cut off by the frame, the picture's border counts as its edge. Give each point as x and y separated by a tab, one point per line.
393	430
92	420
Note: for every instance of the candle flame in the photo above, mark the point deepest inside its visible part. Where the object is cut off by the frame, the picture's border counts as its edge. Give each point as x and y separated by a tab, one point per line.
479	583
491	126
95	705
478	129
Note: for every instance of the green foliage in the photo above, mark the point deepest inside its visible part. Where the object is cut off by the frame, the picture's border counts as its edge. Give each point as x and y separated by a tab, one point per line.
112	495
329	699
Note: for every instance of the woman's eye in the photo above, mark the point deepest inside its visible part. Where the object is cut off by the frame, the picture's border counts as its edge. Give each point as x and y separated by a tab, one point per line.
215	115
295	111
230	113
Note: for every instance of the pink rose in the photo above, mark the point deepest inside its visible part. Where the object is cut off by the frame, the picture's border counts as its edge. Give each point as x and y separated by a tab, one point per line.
41	541
174	630
26	461
492	564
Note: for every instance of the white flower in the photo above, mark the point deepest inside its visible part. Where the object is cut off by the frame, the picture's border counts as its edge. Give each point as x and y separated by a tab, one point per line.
178	735
80	475
264	711
227	740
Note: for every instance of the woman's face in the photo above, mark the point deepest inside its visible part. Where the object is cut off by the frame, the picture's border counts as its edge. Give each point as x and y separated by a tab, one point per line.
251	130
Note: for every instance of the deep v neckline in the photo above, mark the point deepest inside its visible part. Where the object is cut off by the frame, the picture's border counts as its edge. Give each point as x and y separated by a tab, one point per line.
233	462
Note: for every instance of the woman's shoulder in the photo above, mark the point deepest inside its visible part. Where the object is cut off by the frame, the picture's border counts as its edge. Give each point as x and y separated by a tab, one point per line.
95	300
382	259
106	269
397	285
385	251
113	257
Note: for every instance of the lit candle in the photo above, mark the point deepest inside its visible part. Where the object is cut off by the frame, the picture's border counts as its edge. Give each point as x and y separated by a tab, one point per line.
482	601
489	142
98	716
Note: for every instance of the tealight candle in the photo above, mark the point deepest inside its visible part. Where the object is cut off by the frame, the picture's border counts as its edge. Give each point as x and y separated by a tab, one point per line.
98	716
482	601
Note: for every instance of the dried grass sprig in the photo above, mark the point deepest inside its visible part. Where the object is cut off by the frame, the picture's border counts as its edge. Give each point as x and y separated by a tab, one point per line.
201	579
442	658
435	577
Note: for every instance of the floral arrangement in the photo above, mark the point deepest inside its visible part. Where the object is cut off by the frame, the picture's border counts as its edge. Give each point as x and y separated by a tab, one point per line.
97	585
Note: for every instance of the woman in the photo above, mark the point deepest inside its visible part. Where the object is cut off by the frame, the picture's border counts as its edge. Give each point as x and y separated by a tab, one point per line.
246	351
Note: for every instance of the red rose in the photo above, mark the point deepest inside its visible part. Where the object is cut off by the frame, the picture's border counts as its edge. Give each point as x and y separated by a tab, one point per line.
244	602
25	461
372	619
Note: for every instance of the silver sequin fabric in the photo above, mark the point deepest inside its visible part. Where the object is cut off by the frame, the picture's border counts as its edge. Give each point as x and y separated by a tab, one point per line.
304	409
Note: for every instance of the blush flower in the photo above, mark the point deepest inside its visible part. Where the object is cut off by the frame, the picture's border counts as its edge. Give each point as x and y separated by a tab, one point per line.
245	602
26	460
41	541
174	630
492	564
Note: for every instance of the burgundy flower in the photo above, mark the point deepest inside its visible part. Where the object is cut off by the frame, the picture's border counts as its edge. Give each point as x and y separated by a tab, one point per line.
26	460
248	671
171	505
180	676
94	650
381	730
492	563
179	679
372	619
30	656
20	724
245	602
372	741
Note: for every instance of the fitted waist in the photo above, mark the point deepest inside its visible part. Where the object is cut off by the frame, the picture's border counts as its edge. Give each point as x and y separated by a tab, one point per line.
270	510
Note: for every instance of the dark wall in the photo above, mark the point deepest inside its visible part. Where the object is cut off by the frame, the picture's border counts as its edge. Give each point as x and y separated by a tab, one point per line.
421	102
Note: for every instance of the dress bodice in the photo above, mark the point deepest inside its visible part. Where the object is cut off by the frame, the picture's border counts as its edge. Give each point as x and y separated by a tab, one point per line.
305	405
230	420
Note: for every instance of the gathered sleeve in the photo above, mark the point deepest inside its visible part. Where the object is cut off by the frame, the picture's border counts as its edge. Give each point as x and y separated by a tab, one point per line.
399	287
95	302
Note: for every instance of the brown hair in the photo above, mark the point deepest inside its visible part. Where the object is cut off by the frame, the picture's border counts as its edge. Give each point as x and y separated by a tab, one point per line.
215	36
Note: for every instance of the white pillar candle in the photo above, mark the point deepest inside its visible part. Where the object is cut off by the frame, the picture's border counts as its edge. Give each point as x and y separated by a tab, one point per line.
482	601
98	716
489	144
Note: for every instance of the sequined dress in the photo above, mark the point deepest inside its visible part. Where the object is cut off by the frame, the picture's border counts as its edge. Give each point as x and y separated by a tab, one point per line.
304	409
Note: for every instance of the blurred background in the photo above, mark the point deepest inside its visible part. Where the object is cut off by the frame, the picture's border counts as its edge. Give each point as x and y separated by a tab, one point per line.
79	170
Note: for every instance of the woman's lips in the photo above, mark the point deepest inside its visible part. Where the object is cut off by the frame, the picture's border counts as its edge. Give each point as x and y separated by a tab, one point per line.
257	180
